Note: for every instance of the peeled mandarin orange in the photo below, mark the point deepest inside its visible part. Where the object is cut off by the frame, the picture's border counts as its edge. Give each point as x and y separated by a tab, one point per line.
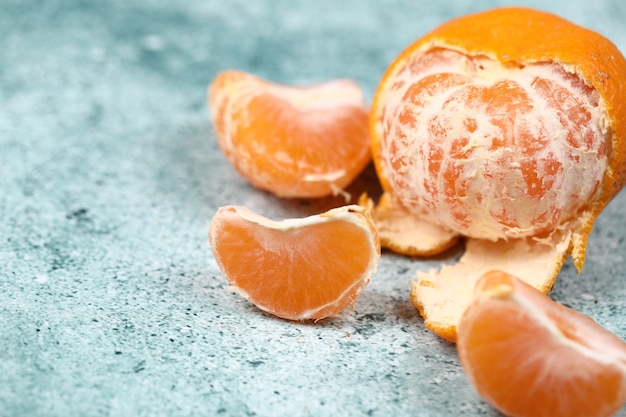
504	124
529	356
293	141
297	269
507	127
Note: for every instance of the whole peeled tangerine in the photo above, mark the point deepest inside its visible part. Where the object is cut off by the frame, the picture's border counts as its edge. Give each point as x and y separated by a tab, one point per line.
504	124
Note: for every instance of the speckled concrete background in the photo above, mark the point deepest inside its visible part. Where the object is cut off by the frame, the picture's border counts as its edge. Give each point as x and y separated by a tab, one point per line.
110	301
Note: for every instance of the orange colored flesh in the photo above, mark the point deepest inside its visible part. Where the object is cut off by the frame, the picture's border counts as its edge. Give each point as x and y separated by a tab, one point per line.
529	356
305	270
292	141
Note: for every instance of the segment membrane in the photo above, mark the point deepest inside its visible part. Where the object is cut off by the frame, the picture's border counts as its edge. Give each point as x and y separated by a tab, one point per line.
492	151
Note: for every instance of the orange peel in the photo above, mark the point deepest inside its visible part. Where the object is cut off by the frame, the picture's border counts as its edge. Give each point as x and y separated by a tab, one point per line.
442	295
404	233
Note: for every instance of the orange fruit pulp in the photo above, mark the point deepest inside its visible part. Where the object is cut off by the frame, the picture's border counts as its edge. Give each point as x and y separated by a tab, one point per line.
297	269
504	124
530	356
309	141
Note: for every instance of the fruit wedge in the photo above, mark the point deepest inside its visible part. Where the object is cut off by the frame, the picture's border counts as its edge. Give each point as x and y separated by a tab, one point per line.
529	356
297	269
294	141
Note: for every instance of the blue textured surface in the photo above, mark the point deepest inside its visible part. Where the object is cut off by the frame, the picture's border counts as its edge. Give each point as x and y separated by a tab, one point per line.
110	301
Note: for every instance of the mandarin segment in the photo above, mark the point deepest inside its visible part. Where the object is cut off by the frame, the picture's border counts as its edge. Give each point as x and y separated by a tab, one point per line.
297	269
309	141
504	124
529	356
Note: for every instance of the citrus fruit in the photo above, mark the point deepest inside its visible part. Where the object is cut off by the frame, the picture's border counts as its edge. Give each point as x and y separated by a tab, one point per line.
297	269
441	296
507	127
504	124
294	141
529	356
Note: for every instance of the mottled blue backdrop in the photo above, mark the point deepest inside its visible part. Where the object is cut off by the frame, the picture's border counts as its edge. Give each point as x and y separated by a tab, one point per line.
110	301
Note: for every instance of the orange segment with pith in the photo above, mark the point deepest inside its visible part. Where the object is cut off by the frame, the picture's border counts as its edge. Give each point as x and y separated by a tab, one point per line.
529	356
294	141
298	269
